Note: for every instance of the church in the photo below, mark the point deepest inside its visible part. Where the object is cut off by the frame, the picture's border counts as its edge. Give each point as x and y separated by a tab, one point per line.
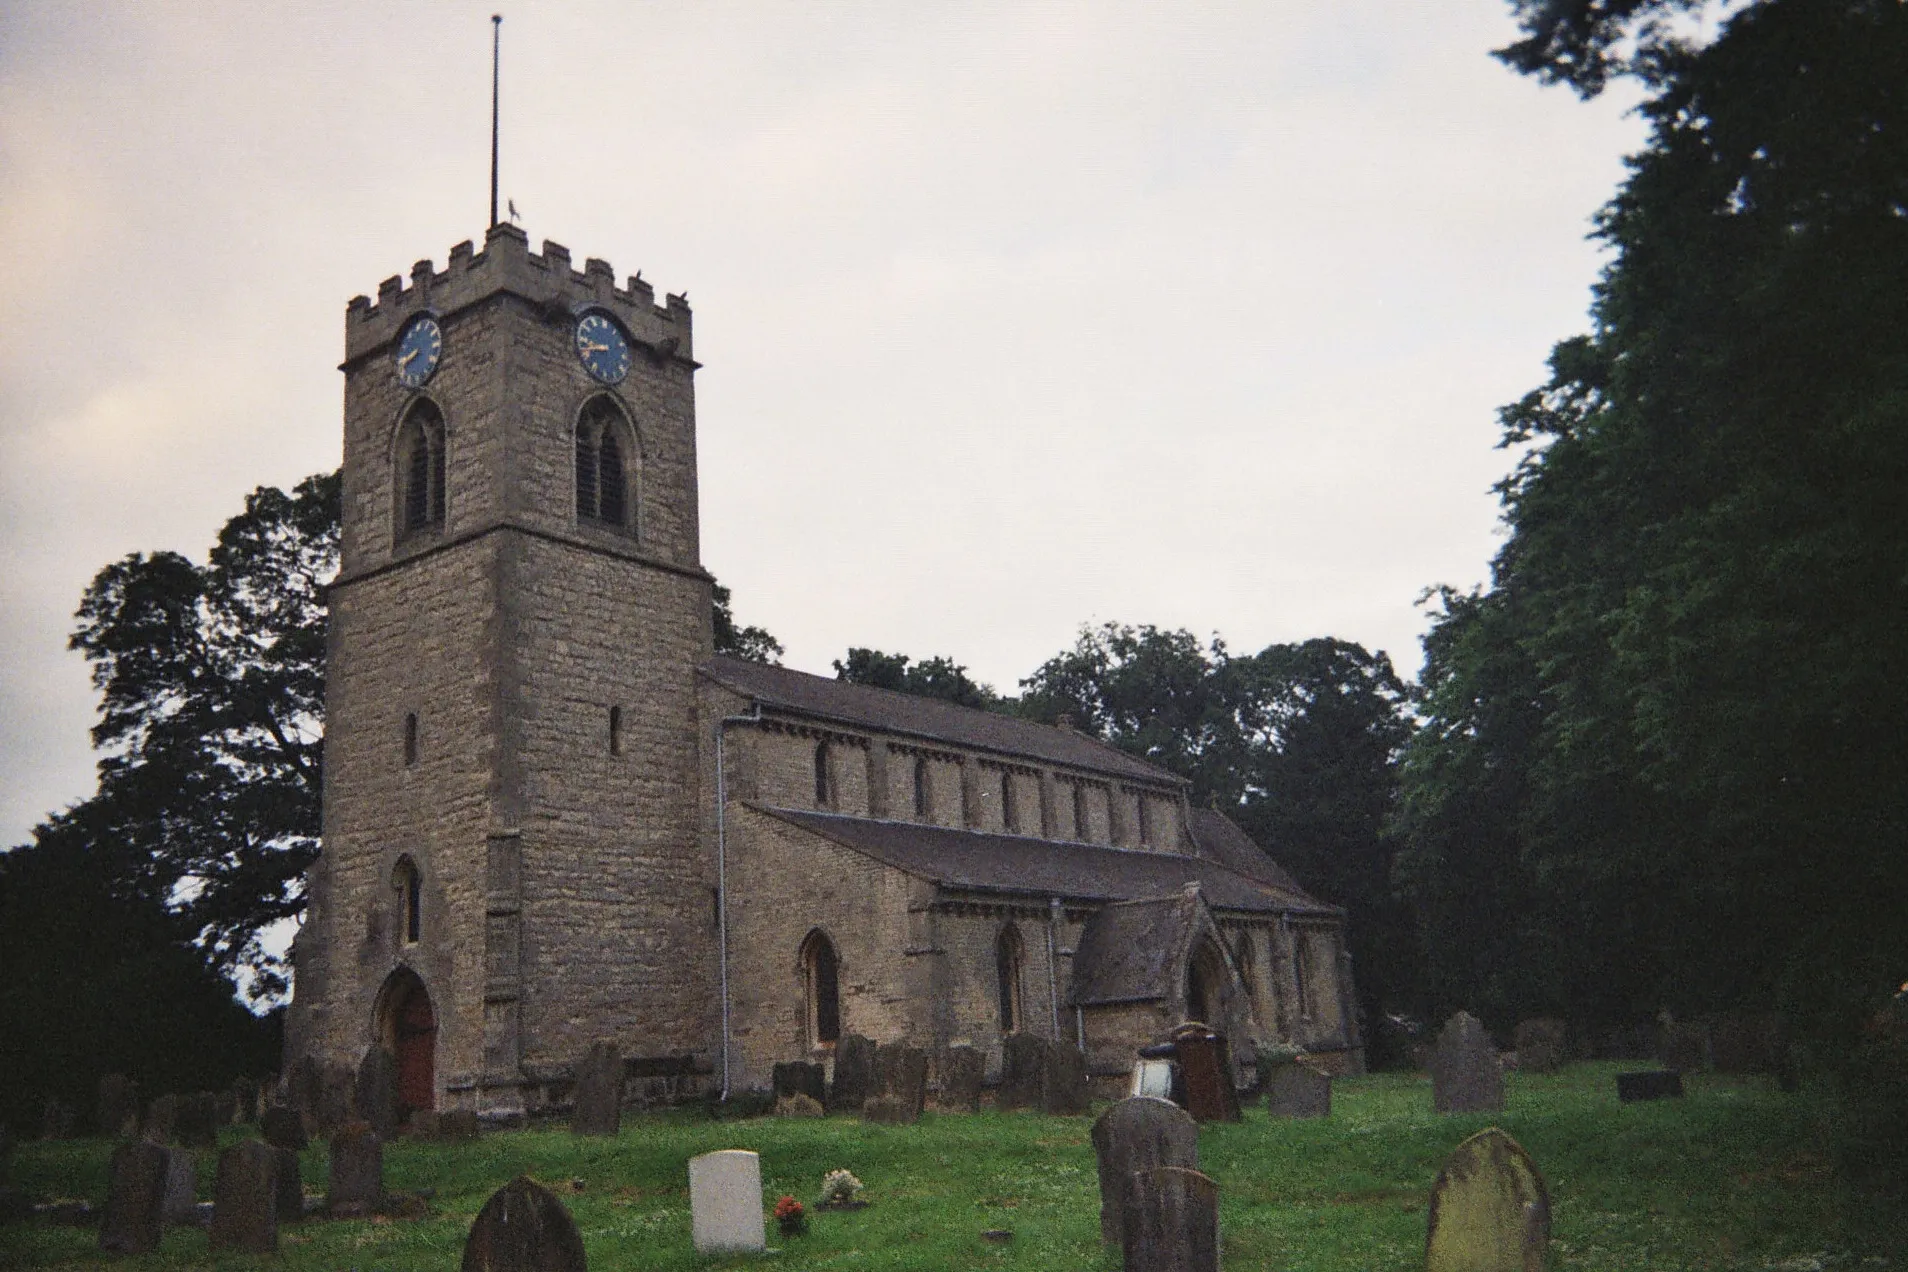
553	815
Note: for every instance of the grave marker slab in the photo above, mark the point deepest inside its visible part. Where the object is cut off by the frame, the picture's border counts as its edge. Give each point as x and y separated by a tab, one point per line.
800	1077
1023	1072
598	1108
1466	1076
355	1183
1649	1084
1205	1061
1298	1090
135	1216
288	1186
1152	1077
854	1072
962	1069
182	1186
117	1113
283	1127
1138	1134
901	1076
1064	1091
1489	1209
1171	1222
337	1099
244	1199
375	1093
725	1202
799	1105
1542	1043
457	1125
524	1228
197	1123
162	1115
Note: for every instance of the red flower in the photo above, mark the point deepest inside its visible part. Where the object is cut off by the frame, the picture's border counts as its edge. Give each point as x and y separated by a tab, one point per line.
787	1208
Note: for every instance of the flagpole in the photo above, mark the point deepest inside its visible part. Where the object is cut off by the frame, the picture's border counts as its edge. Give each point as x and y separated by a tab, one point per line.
496	36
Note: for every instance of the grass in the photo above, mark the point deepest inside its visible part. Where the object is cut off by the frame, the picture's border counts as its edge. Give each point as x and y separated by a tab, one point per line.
1736	1176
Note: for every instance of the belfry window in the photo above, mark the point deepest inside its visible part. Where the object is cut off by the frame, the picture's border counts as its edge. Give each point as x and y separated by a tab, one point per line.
821	985
605	467
420	457
1009	954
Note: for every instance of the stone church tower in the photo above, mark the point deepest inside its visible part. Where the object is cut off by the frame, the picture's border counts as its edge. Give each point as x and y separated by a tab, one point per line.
512	860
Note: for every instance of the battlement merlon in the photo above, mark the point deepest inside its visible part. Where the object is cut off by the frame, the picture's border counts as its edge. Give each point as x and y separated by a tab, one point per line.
507	265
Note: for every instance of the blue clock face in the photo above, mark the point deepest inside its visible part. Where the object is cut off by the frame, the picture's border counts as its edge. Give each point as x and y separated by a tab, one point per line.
417	350
603	347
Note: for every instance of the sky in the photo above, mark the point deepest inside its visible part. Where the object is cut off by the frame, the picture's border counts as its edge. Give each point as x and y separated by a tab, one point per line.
1013	317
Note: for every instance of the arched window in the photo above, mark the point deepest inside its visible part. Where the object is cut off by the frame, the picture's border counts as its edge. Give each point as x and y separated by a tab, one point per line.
616	730
420	458
1008	820
1302	974
1242	958
1082	824
605	493
824	788
1205	983
410	900
410	738
821	985
1009	955
923	801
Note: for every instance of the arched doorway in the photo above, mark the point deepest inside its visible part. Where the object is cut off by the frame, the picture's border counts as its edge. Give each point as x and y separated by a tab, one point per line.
1205	983
822	989
407	1026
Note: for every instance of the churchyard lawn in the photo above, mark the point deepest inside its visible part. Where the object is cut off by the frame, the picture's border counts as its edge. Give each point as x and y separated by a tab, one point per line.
1736	1176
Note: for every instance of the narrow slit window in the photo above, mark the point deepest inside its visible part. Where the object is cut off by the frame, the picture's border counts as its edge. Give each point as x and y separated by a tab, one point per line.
824	789
410	739
1081	824
1008	820
821	972
923	804
410	899
1007	960
1302	974
616	731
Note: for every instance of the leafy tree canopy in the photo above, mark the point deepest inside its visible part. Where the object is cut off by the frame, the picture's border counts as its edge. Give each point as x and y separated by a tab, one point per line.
753	644
941	678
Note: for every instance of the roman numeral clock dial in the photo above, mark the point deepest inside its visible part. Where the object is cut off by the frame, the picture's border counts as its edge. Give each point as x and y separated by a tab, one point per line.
602	347
417	352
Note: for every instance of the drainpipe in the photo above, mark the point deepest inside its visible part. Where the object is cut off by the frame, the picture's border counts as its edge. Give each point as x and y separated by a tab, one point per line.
752	716
1053	984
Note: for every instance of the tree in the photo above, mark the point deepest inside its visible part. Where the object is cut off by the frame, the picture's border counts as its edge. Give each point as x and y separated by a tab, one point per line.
752	644
941	678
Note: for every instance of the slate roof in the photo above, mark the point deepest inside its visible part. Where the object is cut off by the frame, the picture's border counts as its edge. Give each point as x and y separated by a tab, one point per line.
929	718
1127	952
1222	840
1043	867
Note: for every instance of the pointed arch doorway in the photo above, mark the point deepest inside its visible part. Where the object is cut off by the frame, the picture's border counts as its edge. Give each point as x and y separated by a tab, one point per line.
407	1026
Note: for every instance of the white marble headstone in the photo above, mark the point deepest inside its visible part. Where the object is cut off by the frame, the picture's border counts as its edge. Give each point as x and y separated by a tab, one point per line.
1154	1078
725	1201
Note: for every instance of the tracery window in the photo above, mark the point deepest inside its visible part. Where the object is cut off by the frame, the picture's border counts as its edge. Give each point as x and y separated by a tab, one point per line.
420	458
821	985
605	460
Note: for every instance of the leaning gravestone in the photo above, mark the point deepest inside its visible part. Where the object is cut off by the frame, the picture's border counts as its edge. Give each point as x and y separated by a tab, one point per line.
901	1076
799	1077
1023	1072
854	1072
1542	1044
1489	1210
1171	1221
962	1069
523	1228
182	1186
244	1199
598	1103
117	1113
356	1180
197	1123
1205	1061
725	1202
1298	1090
162	1115
1138	1134
375	1093
1650	1084
135	1216
1466	1076
282	1127
1063	1091
288	1186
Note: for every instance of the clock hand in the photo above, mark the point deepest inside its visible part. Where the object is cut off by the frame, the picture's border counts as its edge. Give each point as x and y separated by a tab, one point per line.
405	361
588	347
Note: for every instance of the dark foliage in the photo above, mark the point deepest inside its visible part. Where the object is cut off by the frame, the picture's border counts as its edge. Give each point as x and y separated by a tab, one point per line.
941	678
751	643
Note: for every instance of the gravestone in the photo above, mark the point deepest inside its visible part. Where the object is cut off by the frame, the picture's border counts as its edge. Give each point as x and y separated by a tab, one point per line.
282	1127
288	1186
117	1113
1171	1221
1023	1072
799	1105
245	1200
854	1072
962	1069
182	1187
1466	1076
1489	1209
355	1183
725	1202
1064	1090
1542	1043
1138	1134
1152	1077
598	1108
337	1099
375	1093
458	1125
1650	1084
1298	1090
135	1216
799	1077
1684	1048
901	1077
244	1101
523	1228
1205	1062
197	1123
162	1115
889	1110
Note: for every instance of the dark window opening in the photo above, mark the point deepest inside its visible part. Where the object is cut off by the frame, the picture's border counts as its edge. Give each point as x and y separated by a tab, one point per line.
824	789
616	731
410	900
922	804
1302	975
1139	813
1007	959
586	503
609	479
421	480
604	490
410	739
1081	823
1008	820
822	972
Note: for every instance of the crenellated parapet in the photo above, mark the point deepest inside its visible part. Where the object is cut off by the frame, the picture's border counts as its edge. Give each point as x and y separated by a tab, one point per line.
507	265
